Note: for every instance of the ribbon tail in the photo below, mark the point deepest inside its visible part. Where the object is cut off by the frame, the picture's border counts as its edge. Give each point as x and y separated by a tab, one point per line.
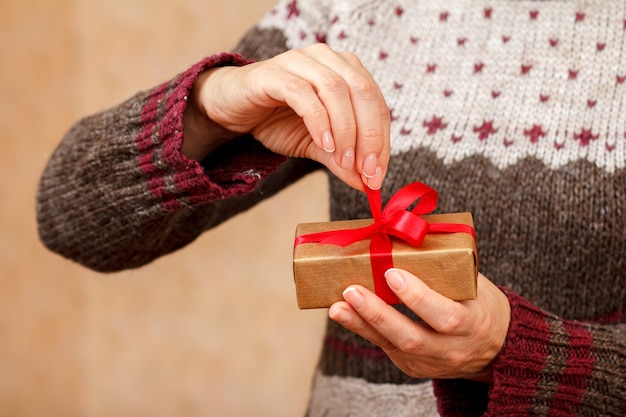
382	260
341	237
376	204
452	228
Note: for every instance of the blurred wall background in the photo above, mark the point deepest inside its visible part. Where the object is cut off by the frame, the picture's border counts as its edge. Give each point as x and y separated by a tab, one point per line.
212	330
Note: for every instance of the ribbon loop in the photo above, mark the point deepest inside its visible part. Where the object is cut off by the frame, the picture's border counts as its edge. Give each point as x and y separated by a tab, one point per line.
408	227
422	196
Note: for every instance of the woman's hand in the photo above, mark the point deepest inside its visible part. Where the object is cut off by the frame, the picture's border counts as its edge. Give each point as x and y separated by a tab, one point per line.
312	102
456	339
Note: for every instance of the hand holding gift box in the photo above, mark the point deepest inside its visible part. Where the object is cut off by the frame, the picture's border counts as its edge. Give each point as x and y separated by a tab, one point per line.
439	249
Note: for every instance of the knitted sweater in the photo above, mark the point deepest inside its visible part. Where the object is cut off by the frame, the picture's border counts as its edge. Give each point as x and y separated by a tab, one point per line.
513	110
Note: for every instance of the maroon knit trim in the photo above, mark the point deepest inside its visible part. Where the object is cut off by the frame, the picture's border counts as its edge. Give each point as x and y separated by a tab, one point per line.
181	172
522	361
354	350
525	360
579	367
145	144
173	121
611	318
148	119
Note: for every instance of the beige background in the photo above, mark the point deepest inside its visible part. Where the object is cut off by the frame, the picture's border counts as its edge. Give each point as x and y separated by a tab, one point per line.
162	340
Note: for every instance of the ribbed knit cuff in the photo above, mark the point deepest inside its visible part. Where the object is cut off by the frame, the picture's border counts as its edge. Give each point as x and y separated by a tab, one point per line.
544	364
177	180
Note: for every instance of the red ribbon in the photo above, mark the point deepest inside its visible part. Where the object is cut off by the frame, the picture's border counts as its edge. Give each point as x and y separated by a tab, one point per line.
395	220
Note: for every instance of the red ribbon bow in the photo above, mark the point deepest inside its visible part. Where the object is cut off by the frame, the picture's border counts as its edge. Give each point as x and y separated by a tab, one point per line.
395	220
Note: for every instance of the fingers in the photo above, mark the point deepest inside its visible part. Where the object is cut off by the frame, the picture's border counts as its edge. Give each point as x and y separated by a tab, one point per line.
342	107
373	319
369	107
370	317
343	313
331	119
441	313
455	340
347	314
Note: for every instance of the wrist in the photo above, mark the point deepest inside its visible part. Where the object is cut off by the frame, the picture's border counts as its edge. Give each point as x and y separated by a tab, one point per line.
201	135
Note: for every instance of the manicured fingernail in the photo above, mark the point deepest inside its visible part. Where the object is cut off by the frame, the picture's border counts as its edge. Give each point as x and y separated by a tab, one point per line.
376	182
354	297
395	280
347	160
339	315
369	165
328	142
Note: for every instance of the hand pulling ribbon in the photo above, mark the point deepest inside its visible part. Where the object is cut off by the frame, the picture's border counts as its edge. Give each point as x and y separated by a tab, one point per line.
395	220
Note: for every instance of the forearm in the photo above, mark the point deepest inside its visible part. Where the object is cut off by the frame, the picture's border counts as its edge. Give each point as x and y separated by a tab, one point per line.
147	164
119	192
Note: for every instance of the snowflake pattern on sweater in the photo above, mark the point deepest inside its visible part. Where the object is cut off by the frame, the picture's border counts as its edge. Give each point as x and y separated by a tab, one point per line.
501	61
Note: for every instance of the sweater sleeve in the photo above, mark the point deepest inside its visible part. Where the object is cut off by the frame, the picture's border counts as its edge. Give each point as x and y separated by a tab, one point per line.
118	192
548	366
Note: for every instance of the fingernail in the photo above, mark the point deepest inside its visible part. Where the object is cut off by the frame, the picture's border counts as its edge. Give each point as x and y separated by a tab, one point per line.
339	315
328	142
376	182
347	161
354	297
369	165
395	280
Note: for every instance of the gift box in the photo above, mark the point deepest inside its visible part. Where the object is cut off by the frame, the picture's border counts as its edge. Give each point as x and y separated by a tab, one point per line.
446	262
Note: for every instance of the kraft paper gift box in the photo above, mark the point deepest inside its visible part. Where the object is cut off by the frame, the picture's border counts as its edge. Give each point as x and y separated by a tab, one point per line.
446	262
